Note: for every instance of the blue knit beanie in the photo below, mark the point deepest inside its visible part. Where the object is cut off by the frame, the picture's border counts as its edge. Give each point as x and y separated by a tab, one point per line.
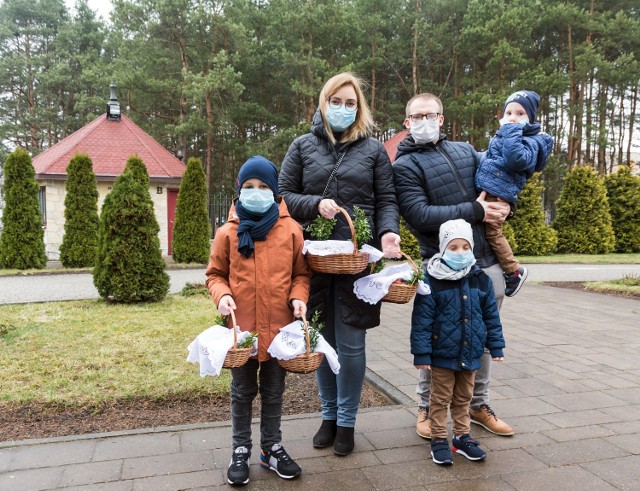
527	99
259	168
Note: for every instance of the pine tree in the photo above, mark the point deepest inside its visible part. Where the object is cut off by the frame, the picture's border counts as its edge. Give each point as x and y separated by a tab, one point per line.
623	190
191	229
532	234
583	220
78	248
130	267
22	239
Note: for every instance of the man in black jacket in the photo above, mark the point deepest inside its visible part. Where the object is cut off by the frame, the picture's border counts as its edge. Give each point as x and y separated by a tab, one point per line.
435	183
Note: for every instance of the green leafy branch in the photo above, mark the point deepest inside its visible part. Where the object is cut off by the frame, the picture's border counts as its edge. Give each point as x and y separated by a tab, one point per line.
361	226
321	228
315	326
248	341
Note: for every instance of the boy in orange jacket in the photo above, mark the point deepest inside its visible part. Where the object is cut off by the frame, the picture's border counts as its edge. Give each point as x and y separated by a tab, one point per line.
256	263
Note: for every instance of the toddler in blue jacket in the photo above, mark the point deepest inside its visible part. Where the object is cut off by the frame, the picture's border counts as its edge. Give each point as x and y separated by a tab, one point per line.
517	150
450	329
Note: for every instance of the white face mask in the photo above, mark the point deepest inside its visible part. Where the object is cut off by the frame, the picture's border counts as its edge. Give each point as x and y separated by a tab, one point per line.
425	131
522	121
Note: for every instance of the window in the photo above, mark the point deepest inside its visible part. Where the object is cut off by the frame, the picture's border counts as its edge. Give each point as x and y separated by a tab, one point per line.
42	198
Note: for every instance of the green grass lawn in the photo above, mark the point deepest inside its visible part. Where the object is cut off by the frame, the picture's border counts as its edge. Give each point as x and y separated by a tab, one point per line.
582	259
86	353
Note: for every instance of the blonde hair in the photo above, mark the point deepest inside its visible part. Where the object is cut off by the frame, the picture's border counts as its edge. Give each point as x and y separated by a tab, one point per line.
427	96
363	126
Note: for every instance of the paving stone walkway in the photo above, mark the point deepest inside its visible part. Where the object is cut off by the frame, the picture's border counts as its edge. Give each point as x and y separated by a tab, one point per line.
570	386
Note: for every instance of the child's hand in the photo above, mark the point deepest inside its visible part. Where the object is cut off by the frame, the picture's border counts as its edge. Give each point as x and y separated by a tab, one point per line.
299	308
423	367
498	359
226	305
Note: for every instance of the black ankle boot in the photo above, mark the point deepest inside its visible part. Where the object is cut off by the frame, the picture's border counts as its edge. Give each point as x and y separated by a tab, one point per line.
326	434
344	441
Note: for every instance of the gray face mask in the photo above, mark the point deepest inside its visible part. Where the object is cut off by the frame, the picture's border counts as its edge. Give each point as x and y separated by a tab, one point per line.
425	131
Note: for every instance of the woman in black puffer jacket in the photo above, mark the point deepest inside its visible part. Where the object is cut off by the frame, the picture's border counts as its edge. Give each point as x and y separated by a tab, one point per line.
364	178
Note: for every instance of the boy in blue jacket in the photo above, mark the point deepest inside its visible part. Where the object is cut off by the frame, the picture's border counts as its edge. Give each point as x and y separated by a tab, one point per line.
449	330
517	150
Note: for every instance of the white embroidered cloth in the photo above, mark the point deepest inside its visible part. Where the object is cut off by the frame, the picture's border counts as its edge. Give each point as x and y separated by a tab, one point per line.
290	342
327	247
373	288
210	347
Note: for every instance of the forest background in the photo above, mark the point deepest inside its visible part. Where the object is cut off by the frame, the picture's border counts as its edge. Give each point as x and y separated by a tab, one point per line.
224	80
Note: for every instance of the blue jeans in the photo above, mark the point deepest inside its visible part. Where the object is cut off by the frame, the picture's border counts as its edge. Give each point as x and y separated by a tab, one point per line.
483	374
340	394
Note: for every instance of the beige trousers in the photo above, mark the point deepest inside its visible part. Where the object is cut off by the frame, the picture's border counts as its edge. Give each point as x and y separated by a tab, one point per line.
500	245
454	389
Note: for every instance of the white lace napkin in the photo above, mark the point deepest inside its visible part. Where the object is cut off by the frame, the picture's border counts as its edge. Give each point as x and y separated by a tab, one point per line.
210	347
290	342
373	288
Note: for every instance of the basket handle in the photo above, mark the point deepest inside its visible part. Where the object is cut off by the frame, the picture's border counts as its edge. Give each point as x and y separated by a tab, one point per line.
235	334
351	228
306	334
411	262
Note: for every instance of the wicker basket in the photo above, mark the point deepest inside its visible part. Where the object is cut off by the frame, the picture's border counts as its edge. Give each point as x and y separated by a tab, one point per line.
307	362
340	263
236	357
401	292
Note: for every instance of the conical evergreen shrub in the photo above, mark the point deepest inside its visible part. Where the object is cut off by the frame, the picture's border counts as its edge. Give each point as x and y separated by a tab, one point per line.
533	236
623	190
80	241
191	232
136	167
130	267
408	242
583	220
22	239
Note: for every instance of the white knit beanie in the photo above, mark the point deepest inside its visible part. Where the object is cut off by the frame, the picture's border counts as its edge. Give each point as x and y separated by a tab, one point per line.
455	229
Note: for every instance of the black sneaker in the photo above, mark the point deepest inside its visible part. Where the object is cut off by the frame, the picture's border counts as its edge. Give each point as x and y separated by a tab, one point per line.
514	281
440	451
238	472
277	459
467	446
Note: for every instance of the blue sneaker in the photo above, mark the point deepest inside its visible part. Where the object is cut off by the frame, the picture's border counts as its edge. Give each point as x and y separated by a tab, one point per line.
467	446
514	281
440	452
278	460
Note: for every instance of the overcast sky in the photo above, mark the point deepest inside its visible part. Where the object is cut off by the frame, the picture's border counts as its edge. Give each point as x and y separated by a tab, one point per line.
102	7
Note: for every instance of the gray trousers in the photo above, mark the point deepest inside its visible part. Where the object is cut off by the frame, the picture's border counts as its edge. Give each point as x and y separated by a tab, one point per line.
244	388
483	374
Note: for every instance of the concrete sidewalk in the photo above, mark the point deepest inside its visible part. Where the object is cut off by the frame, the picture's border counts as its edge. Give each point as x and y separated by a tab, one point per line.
570	386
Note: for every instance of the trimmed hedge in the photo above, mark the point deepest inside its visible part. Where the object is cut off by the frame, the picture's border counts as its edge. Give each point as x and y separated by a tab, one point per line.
22	239
80	241
191	232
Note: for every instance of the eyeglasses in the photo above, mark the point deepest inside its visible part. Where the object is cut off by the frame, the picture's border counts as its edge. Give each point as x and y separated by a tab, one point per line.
350	104
416	118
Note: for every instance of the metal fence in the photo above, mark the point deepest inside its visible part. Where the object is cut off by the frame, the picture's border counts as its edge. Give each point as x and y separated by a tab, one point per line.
219	205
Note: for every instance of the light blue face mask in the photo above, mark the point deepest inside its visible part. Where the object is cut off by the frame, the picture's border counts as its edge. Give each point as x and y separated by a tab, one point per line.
256	201
458	261
340	119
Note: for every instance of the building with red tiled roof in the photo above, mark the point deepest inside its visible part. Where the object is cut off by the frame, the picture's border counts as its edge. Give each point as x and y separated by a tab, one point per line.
109	140
391	145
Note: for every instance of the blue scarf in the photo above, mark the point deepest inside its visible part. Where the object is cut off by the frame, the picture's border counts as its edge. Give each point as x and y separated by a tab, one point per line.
254	227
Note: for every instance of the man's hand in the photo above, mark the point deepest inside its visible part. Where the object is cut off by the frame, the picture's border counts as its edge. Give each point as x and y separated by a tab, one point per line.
390	245
423	367
328	208
226	305
494	211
